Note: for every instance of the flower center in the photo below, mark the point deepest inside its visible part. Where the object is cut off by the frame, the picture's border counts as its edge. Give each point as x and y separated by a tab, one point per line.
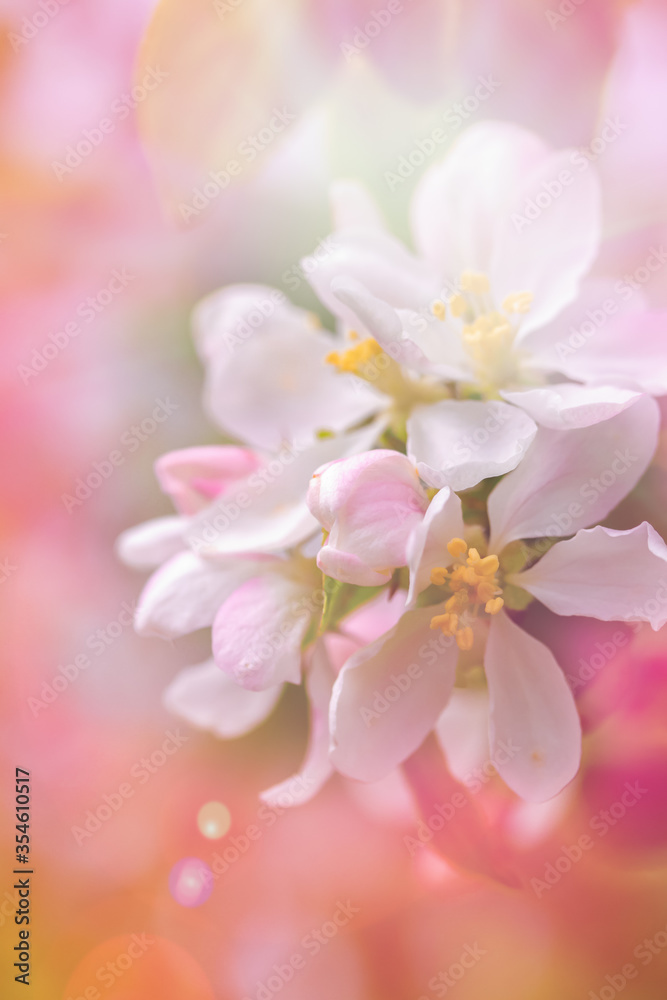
472	582
488	333
355	357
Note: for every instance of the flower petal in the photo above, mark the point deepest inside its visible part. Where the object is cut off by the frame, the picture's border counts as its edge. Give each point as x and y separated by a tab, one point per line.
370	504
377	261
316	768
389	695
457	443
269	512
570	480
534	728
548	250
151	543
185	594
427	547
626	348
194	476
209	699
605	574
458	202
258	630
567	405
267	380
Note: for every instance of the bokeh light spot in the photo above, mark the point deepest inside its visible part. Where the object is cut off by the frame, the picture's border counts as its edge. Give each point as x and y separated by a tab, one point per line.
214	820
191	882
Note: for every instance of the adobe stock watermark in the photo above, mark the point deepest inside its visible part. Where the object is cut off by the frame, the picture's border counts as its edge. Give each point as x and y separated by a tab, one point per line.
7	569
563	12
624	289
225	511
32	24
247	151
238	845
565	522
600	825
109	973
646	951
552	189
87	310
142	771
130	441
444	981
97	643
312	944
454	117
120	108
444	812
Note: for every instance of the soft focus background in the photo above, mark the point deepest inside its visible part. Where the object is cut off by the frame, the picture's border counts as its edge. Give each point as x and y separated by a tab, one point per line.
105	246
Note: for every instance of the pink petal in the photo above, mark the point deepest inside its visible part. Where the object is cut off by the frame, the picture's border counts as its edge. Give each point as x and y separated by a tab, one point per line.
389	695
428	543
534	728
185	594
570	480
605	574
258	630
316	768
195	476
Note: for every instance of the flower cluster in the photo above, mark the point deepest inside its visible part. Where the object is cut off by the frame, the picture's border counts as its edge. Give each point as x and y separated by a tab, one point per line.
405	487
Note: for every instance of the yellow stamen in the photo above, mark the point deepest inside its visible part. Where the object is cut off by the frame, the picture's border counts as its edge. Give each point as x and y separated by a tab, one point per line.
439	309
475	282
439	575
485	591
519	302
353	358
465	638
494	606
457	305
457	547
473	557
488	566
457	602
447	624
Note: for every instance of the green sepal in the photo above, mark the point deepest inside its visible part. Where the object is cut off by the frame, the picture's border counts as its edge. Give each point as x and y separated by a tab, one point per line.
340	600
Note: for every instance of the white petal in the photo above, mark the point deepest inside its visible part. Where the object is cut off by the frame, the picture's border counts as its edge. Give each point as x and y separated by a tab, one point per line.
269	513
316	768
628	347
439	341
378	262
550	254
226	319
568	405
380	320
279	388
568	481
209	699
458	203
427	547
463	732
534	728
389	695
151	543
258	630
605	574
185	594
457	443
